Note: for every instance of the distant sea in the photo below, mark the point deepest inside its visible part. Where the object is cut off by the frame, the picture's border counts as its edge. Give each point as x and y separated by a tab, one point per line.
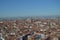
33	17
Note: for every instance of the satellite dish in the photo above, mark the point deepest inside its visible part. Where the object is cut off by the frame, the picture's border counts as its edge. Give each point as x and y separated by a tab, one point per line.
1	38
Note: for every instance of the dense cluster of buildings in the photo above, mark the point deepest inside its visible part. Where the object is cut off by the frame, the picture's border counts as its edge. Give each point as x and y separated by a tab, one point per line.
15	29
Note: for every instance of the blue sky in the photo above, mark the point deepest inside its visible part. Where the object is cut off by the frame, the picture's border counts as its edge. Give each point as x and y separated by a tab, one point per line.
15	8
